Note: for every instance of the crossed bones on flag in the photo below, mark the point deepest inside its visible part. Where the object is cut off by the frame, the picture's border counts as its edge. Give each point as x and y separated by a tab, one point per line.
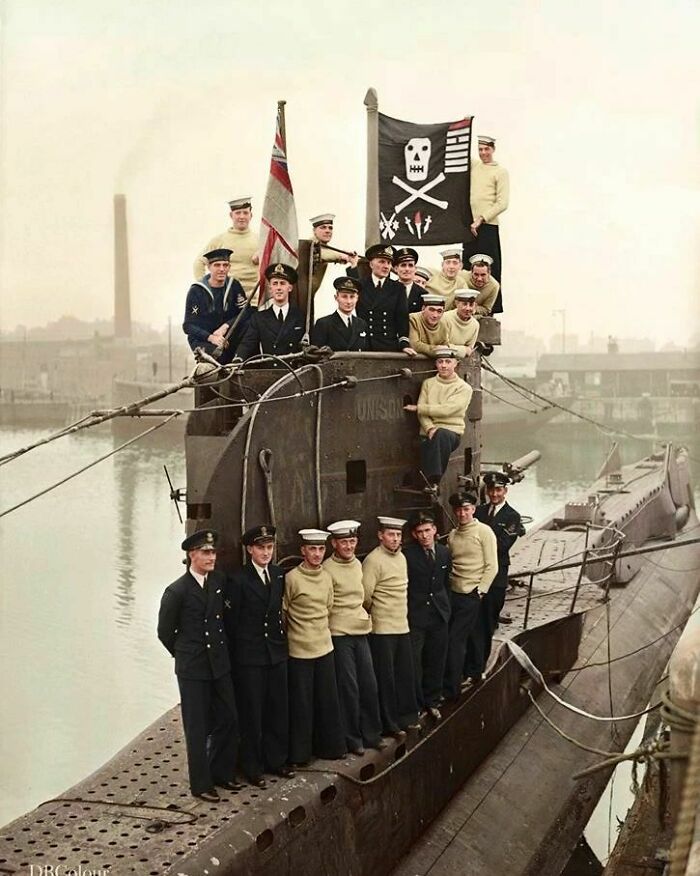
414	194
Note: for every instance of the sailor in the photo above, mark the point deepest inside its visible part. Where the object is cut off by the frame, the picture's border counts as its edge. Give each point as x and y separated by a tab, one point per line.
489	191
191	627
322	229
474	566
382	303
258	648
279	329
243	243
442	407
448	280
426	329
314	711
385	582
462	327
404	263
350	626
342	330
507	526
212	305
422	276
429	567
479	278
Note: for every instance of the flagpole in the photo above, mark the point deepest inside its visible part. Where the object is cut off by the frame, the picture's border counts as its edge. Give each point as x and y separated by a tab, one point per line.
372	207
283	127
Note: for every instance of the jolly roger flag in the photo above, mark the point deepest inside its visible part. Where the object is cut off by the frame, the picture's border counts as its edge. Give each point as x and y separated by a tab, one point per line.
423	181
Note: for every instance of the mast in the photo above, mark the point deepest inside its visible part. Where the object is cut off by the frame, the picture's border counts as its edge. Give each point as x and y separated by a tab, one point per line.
372	209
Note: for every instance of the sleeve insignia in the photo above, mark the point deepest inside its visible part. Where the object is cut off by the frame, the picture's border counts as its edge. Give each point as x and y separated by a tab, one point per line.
195	310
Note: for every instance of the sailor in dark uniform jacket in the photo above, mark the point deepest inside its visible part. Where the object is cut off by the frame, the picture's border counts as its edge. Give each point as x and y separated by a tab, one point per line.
342	330
507	527
191	627
258	647
278	329
404	262
382	304
429	566
212	305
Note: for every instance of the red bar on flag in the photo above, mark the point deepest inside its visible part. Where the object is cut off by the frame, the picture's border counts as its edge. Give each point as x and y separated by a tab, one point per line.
278	229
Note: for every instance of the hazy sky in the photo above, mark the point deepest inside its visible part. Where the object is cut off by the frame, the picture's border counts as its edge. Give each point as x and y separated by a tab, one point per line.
595	107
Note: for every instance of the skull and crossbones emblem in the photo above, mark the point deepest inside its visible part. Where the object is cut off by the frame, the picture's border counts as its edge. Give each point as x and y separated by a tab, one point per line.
417	153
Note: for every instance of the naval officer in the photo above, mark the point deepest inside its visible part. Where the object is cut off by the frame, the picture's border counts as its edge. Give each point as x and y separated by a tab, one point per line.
382	304
429	567
404	262
343	330
190	625
278	329
258	648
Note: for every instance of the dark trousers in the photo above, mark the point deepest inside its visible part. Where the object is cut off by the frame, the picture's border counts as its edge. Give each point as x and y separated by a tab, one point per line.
429	646
435	452
210	721
261	692
463	620
314	711
357	691
487	241
393	665
480	639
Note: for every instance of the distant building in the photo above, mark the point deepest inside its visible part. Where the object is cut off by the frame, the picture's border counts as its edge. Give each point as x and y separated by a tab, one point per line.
623	375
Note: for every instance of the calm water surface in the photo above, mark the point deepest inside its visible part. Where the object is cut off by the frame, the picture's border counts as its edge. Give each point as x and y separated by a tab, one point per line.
83	571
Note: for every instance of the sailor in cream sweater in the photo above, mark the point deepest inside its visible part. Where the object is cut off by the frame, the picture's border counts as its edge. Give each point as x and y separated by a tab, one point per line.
489	189
426	331
462	328
314	712
448	280
479	279
442	407
474	566
385	582
243	241
350	626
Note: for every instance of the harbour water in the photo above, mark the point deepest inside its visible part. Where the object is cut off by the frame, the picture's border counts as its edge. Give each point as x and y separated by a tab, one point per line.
83	571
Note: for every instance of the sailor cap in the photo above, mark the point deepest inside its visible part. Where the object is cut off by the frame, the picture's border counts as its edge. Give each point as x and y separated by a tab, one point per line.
480	257
430	298
281	272
218	255
454	252
466	294
347	284
313	536
259	534
240	203
380	251
405	254
322	219
444	353
344	528
420	517
424	273
458	500
202	538
485	140
391	522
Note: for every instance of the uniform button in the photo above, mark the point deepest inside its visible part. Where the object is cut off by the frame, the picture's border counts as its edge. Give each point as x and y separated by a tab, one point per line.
265	624
265	635
206	634
218	617
208	646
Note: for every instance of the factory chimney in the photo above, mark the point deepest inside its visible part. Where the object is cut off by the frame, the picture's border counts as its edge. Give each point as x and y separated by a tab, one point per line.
122	298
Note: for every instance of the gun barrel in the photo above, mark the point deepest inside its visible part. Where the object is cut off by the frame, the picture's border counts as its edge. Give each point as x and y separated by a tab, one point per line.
525	461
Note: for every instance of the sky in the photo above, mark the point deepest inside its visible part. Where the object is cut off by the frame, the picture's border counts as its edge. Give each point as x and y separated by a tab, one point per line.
594	106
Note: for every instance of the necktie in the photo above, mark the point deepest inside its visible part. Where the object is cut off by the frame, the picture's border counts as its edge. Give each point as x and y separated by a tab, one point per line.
266	577
430	554
204	584
492	510
280	316
351	319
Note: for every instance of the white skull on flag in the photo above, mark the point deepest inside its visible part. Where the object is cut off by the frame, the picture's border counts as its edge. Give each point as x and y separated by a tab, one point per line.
417	157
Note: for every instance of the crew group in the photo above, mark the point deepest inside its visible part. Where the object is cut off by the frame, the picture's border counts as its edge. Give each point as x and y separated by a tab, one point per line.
336	654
